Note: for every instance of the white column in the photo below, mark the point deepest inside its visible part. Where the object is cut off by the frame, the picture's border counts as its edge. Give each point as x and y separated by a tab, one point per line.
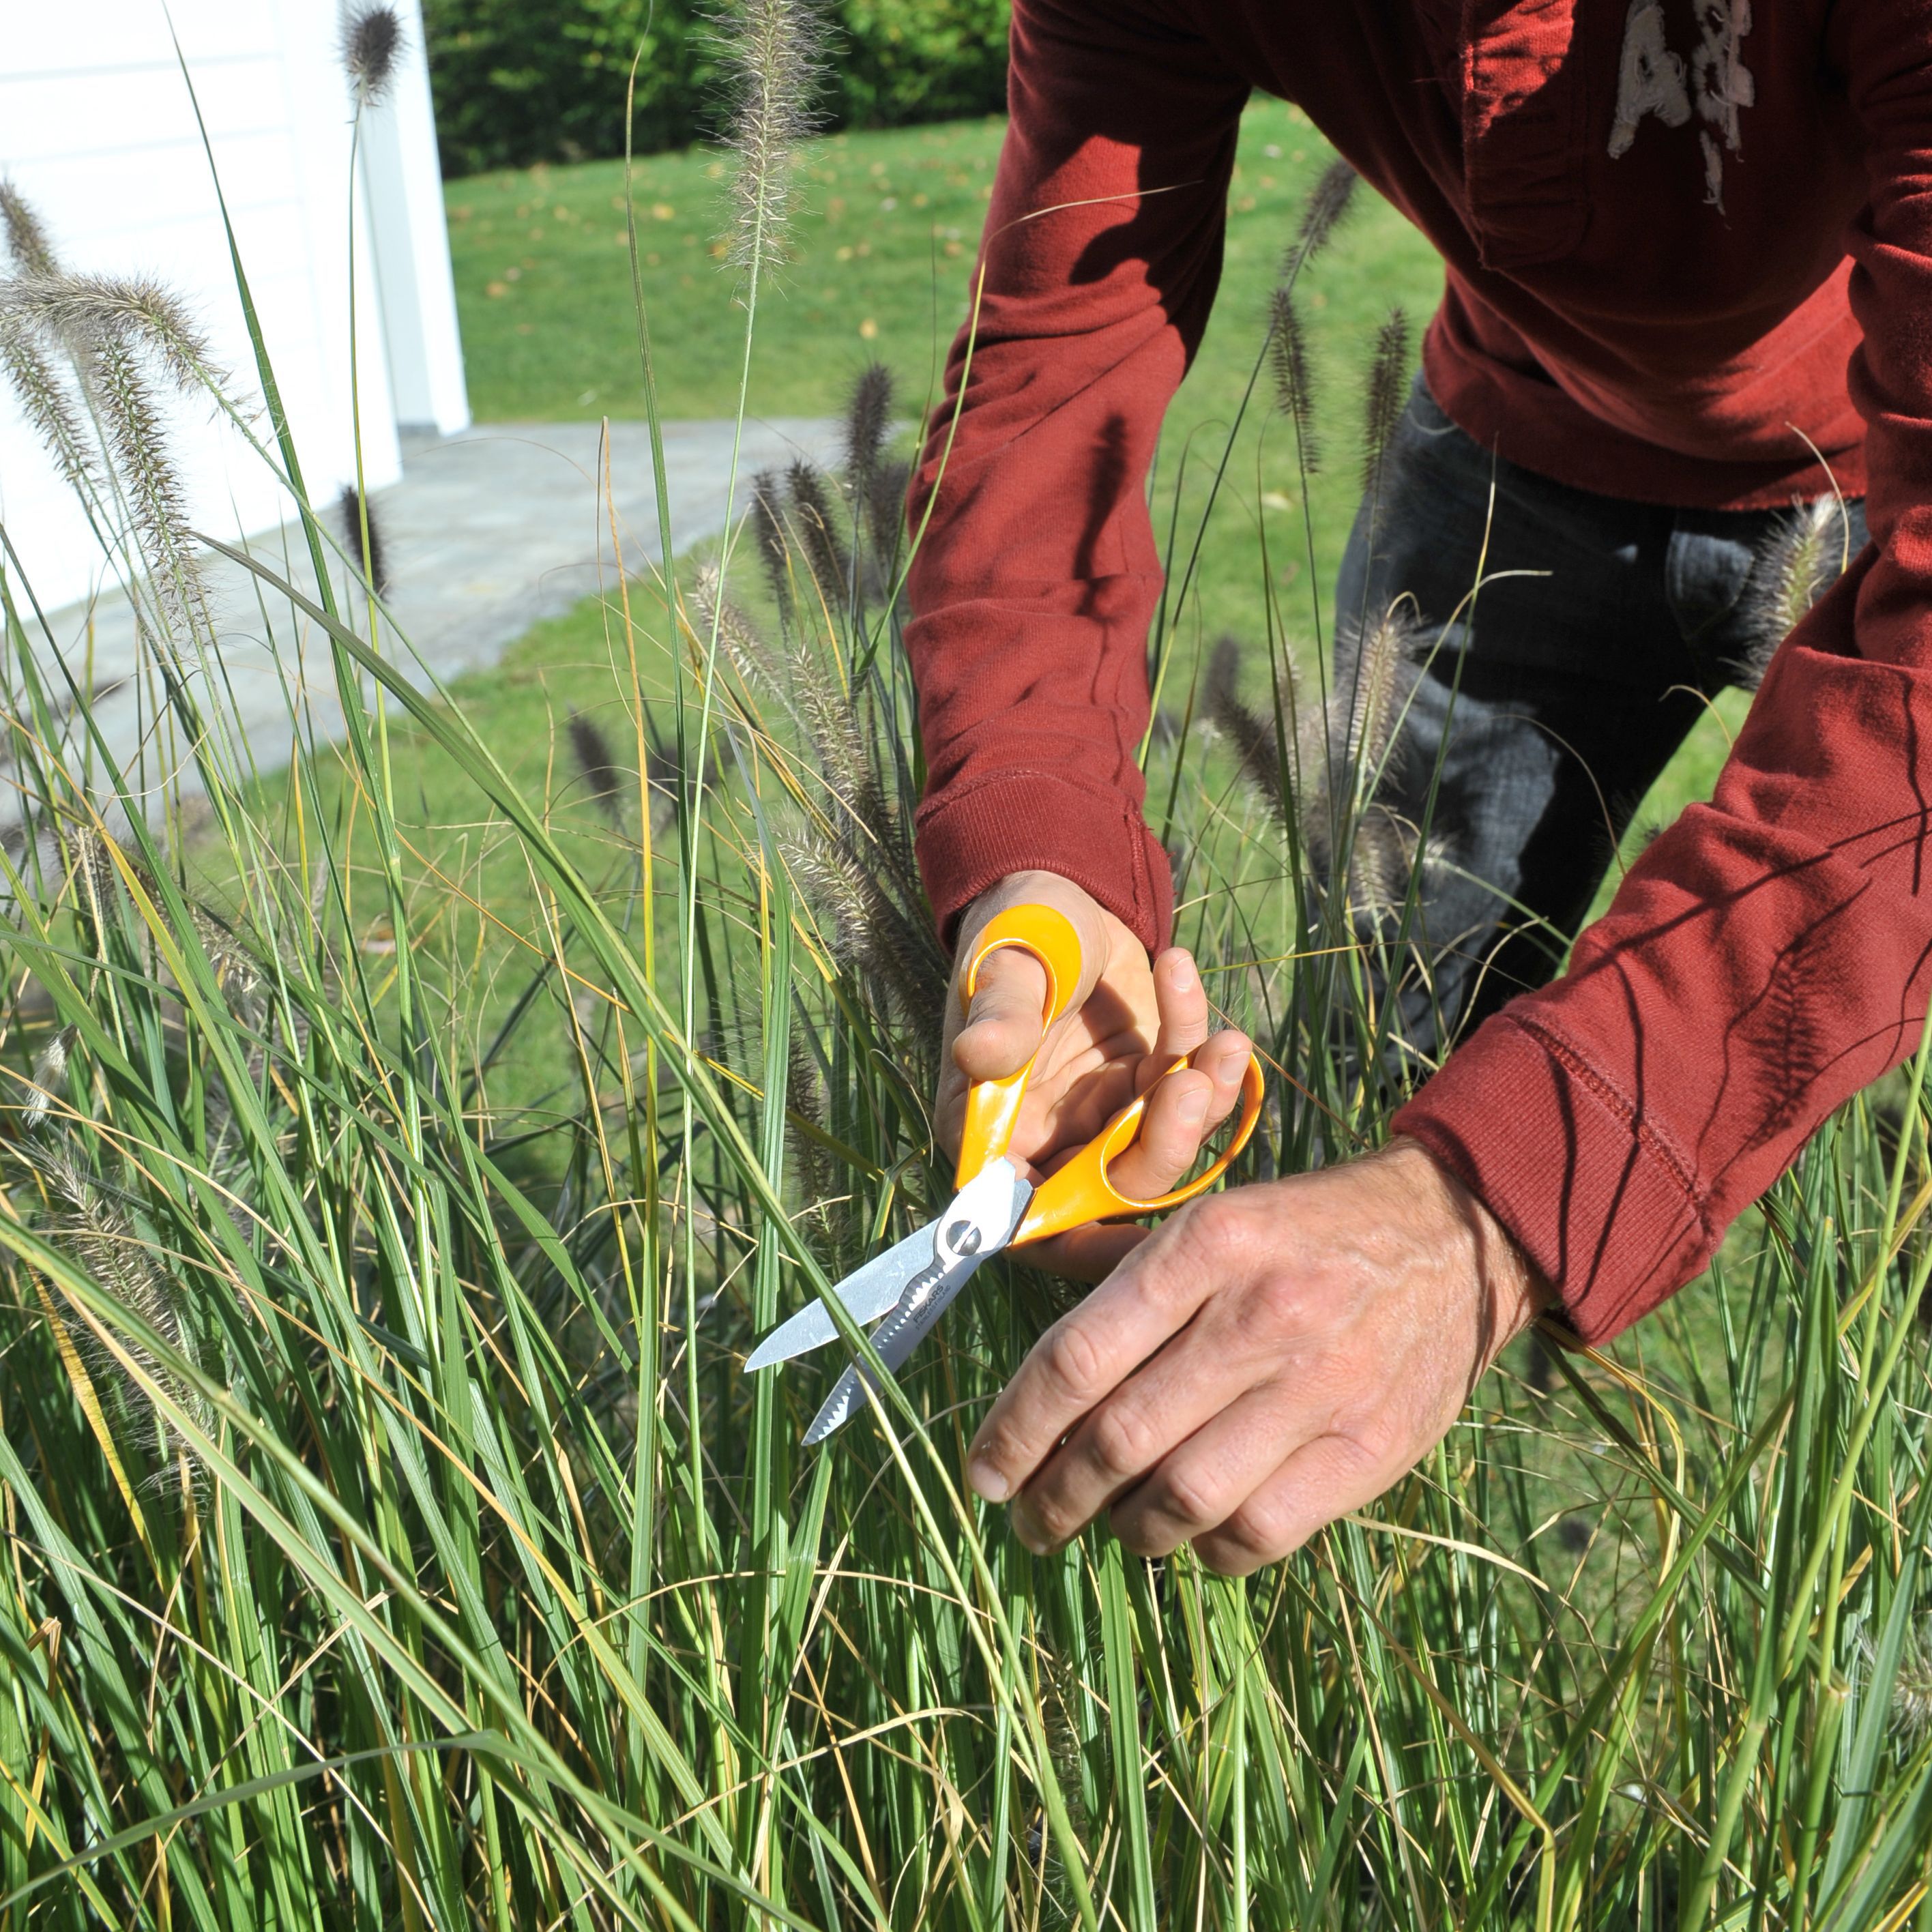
402	187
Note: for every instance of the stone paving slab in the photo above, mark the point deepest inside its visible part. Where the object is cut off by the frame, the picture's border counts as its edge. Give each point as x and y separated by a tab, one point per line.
488	533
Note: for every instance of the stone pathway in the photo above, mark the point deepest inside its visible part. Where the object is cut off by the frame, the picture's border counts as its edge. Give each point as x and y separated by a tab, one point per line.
488	533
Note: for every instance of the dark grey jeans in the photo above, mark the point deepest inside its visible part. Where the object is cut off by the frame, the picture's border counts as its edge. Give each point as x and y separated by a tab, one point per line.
1545	712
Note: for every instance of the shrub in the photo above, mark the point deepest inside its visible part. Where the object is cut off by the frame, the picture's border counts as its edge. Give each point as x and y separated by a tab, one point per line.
519	81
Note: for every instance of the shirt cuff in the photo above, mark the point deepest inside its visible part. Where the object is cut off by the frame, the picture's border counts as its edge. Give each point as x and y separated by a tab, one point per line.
973	835
1595	1196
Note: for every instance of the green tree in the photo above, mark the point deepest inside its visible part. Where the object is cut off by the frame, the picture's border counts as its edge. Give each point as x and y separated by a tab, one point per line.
518	81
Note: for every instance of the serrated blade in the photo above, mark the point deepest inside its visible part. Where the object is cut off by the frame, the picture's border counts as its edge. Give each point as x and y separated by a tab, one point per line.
926	1298
867	1293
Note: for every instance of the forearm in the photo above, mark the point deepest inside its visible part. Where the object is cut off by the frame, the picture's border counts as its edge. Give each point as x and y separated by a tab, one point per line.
1037	572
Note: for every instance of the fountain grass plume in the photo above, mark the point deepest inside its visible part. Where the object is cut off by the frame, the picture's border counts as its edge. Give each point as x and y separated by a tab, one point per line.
597	765
373	41
815	701
1384	654
50	1073
1795	563
139	309
125	401
119	334
29	247
813	517
46	400
1325	779
774	55
1912	1689
886	943
1252	735
768	533
27	347
363	534
1329	200
868	420
89	1218
886	509
1294	375
1382	403
760	668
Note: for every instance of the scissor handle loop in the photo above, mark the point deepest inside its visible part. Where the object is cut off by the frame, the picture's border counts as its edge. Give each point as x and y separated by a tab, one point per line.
1080	1191
993	1106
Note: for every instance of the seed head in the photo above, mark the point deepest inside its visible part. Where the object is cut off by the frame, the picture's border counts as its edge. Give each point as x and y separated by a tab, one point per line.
1803	553
603	778
1387	391
1252	735
768	530
1366	714
119	333
50	1070
1911	1690
817	525
1328	201
868	420
372	45
772	52
364	538
146	314
885	508
46	400
758	666
1294	375
27	244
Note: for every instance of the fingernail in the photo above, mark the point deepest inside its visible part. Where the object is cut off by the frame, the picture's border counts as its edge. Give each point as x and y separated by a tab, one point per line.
1028	1531
1193	1107
1181	975
986	1480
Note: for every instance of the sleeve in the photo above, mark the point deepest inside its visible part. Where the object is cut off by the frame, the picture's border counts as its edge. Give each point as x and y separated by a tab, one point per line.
1769	955
1037	574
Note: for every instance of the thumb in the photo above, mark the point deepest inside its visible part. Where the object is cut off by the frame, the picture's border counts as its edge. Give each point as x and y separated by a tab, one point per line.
1006	1021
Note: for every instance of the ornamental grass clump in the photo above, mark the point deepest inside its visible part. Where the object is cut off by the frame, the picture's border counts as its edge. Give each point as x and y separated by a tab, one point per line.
392	1198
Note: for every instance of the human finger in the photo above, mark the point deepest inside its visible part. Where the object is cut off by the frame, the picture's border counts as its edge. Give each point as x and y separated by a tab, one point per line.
1171	1130
1006	1021
1086	1254
1203	1481
1191	1388
1225	1060
1182	1111
1181	1001
1084	1355
1322	1479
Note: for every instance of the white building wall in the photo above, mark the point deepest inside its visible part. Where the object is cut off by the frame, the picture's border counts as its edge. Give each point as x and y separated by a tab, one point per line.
98	129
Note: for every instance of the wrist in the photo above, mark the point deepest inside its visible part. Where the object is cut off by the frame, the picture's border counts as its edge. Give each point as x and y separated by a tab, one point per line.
1511	1291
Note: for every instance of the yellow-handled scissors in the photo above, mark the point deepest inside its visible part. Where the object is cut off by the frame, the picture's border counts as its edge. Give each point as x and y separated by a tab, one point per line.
913	1283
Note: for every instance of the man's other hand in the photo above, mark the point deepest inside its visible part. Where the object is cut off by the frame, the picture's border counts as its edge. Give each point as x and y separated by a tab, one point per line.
1127	1022
1271	1359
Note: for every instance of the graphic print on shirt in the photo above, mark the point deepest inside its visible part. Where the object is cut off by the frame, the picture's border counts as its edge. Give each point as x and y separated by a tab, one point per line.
1652	80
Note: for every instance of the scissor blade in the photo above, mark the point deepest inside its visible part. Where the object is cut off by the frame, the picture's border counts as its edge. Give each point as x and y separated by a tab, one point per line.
866	1294
927	1298
900	1333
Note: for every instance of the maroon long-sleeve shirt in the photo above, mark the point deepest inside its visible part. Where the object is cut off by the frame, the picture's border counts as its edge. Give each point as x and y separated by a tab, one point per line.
1689	257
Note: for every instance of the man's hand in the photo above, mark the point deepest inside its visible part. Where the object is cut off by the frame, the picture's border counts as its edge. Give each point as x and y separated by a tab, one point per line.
1126	1024
1271	1359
